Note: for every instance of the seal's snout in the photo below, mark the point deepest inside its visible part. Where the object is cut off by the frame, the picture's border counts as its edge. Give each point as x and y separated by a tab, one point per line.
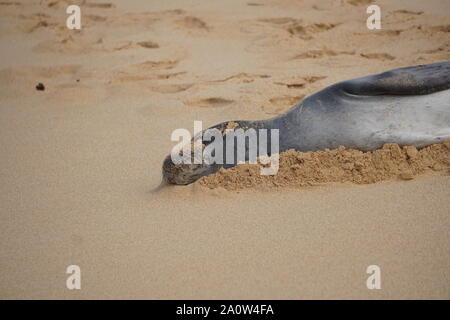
183	174
171	171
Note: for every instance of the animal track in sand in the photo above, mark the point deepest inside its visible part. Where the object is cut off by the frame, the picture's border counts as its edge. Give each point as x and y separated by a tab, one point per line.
166	76
122	77
171	88
9	3
192	23
208	102
94	18
292	85
99	5
304	32
377	56
312	79
76	44
32	22
359	2
81	3
439	49
383	32
301	83
312	54
297	28
140	19
280	104
445	28
242	78
157	65
279	20
148	44
285	100
137	72
416	13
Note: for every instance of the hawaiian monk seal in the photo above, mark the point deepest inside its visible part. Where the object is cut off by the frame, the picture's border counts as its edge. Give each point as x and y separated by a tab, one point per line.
407	106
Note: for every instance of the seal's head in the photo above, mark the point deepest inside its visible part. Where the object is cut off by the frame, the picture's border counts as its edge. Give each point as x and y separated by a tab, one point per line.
188	172
183	174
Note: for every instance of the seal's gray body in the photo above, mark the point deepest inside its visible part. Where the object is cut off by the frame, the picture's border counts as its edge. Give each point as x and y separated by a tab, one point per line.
407	106
337	116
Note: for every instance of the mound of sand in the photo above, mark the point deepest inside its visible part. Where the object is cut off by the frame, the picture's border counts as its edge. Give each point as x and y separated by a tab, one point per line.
339	165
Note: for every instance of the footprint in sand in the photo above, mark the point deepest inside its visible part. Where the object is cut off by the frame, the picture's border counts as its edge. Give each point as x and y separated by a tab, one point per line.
312	79
283	101
99	5
213	102
33	22
297	28
94	18
148	44
445	28
280	104
445	47
312	54
165	76
145	71
416	13
9	3
57	4
377	56
192	23
279	20
76	44
359	2
171	88
242	78
157	65
301	83
389	33
440	53
305	31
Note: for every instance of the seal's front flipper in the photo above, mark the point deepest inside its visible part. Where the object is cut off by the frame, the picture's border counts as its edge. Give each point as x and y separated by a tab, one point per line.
417	80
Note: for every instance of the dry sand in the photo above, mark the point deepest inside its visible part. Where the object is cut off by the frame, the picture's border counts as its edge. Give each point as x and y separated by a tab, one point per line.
81	161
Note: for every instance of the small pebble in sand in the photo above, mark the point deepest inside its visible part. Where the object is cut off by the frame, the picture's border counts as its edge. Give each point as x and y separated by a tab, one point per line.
40	86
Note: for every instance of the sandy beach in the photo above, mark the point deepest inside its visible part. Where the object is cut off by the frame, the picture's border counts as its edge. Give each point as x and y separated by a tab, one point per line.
80	163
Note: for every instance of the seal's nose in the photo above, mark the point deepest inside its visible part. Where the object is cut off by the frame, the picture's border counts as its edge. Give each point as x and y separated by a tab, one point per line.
180	174
169	171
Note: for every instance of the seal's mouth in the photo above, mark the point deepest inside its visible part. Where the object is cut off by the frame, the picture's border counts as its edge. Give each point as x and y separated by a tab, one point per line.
183	174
